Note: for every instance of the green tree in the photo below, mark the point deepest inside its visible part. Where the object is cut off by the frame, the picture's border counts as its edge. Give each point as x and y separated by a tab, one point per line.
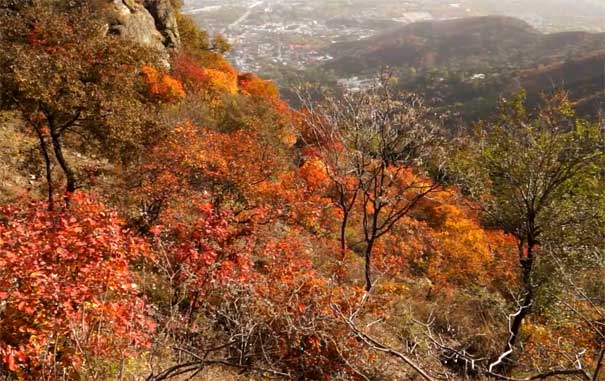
197	42
534	166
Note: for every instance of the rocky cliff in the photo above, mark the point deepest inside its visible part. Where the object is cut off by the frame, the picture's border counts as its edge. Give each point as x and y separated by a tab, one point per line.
151	23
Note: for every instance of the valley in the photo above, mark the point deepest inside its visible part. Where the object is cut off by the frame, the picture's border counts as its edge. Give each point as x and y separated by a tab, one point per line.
272	33
449	51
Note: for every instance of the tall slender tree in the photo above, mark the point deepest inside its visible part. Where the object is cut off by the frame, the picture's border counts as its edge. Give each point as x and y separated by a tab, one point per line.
534	165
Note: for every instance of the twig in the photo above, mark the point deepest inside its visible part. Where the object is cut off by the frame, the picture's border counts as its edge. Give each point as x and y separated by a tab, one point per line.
376	345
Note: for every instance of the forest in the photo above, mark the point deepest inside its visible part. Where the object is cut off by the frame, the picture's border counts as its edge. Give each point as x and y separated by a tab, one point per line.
166	217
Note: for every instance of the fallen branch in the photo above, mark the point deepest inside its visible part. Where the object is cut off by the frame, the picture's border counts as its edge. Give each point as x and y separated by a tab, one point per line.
378	346
543	376
197	366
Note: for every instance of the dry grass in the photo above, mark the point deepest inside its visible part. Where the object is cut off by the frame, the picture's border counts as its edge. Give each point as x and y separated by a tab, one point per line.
16	151
22	169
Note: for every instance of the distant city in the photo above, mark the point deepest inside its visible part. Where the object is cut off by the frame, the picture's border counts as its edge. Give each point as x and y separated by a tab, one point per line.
271	34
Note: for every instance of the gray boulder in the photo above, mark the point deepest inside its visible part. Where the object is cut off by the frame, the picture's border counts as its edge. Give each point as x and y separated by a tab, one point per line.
164	15
147	22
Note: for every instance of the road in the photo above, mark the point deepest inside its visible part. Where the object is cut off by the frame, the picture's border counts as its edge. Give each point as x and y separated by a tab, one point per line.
201	10
245	15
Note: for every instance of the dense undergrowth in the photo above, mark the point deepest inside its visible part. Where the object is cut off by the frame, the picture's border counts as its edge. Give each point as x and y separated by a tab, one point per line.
165	224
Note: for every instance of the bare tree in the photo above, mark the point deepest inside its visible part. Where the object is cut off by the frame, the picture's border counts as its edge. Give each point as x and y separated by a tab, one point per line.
378	148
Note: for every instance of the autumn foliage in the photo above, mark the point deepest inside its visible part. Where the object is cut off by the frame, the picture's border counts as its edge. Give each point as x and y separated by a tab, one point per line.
162	86
213	79
238	238
68	291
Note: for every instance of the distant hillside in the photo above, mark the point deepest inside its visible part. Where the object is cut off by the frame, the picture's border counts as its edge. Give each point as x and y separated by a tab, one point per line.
461	44
470	100
583	77
465	65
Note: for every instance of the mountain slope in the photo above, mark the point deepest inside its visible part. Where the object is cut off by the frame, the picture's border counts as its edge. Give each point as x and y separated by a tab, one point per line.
466	65
583	77
461	44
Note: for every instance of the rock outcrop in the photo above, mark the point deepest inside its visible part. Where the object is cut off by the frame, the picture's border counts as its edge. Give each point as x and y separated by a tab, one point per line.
164	16
147	22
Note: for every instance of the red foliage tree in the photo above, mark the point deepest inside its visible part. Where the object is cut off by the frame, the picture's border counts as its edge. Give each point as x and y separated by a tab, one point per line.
204	254
66	290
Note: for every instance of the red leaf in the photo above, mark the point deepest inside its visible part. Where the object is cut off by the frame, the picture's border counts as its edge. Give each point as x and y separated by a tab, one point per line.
10	361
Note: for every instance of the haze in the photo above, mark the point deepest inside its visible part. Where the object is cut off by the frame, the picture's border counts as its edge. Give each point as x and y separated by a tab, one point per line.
270	35
547	15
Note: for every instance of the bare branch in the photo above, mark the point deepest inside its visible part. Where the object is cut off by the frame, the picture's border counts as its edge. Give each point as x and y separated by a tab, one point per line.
378	346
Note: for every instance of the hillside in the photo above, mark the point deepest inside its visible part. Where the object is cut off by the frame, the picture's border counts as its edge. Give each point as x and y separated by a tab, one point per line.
583	77
467	98
166	217
461	44
465	65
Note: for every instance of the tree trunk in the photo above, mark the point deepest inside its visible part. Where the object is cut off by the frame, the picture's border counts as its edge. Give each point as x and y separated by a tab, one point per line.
343	243
517	322
368	265
597	370
528	299
47	163
521	314
70	178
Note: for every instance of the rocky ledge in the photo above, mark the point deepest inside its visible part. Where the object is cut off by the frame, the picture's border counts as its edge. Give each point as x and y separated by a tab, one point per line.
151	23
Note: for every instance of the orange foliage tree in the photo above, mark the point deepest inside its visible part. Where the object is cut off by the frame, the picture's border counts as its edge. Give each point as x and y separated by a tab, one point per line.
162	86
211	81
376	148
